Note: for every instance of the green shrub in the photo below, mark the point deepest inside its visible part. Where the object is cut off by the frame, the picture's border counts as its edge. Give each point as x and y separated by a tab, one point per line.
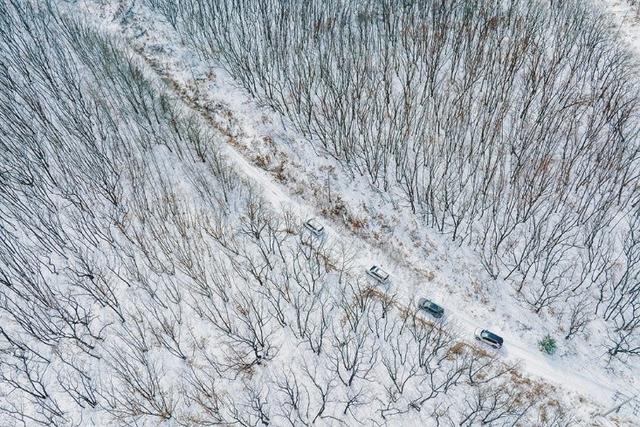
547	344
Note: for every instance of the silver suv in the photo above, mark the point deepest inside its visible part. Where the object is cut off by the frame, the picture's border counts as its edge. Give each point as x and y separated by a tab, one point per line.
489	337
314	227
378	274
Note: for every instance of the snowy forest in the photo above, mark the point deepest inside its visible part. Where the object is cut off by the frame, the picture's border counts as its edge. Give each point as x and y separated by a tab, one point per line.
509	127
148	278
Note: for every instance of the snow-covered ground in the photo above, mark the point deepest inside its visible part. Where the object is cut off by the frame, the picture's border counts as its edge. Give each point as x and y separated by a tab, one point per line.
298	179
155	271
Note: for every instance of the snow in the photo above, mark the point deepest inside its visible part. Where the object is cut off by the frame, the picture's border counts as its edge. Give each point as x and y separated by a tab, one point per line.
420	262
407	280
625	21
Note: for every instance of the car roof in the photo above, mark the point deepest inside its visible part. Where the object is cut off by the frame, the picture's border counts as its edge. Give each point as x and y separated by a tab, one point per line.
432	304
315	223
492	336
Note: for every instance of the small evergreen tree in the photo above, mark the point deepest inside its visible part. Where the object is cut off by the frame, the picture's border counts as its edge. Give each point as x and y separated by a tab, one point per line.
547	344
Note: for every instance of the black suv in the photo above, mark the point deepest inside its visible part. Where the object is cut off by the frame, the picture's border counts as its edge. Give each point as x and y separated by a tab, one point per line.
431	307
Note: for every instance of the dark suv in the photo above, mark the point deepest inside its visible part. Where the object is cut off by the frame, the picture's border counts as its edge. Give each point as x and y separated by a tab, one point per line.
430	307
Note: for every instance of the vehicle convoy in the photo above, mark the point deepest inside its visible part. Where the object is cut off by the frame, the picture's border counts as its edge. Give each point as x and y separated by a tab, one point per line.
378	274
429	306
489	337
